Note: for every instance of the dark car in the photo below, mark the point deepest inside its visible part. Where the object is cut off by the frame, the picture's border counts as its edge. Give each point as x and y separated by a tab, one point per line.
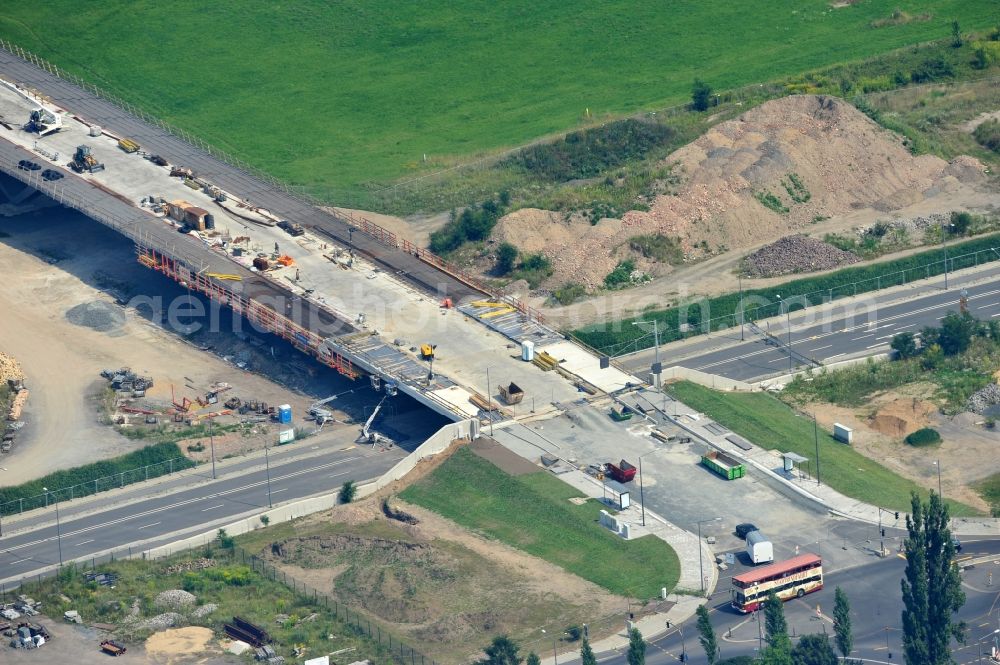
27	165
49	174
742	530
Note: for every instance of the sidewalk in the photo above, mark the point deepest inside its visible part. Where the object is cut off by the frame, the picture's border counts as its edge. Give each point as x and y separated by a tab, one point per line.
770	463
696	559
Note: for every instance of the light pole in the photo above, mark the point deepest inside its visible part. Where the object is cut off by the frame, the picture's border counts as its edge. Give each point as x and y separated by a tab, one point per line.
489	401
267	470
211	442
816	436
937	463
742	314
58	529
944	244
701	567
642	500
656	342
982	639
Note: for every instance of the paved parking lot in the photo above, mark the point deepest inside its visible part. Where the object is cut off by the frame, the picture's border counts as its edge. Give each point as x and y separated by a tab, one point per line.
676	486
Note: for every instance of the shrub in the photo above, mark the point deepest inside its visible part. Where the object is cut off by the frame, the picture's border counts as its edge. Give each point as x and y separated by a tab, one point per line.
473	224
932	69
226	541
987	134
622	274
701	95
769	200
905	344
658	247
567	294
347	491
506	258
926	436
587	153
534	268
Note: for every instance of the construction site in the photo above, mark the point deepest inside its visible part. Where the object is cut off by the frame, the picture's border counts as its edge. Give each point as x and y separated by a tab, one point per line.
343	291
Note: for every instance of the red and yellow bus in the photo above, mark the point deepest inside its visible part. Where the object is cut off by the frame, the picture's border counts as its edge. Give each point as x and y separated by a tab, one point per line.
789	579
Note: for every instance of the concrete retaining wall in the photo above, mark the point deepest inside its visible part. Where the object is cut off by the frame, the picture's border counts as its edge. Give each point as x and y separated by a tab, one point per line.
438	442
705	379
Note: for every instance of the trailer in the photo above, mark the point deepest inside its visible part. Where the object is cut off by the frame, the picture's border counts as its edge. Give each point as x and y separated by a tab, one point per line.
623	472
759	548
724	465
113	648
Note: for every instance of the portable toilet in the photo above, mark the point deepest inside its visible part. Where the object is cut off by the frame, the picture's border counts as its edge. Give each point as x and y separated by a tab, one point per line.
527	350
285	413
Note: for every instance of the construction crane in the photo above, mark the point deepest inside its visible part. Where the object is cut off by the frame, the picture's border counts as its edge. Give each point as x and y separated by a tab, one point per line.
368	436
41	120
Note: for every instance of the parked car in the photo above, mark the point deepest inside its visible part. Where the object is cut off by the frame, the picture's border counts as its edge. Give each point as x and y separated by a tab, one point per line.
28	165
50	174
743	530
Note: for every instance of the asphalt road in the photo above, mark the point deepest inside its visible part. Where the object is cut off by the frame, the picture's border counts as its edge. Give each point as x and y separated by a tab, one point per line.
876	606
824	339
160	519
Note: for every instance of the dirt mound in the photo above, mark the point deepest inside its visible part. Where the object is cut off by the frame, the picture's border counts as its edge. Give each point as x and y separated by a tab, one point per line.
9	369
180	645
766	174
902	417
796	254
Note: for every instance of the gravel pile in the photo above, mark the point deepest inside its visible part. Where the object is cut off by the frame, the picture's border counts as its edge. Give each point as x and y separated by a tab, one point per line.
175	598
98	315
162	621
794	254
204	610
984	399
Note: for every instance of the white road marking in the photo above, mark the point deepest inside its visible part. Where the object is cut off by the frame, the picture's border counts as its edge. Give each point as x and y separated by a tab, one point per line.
342	473
819	348
204	510
863	336
874	345
18	561
178	504
909	325
85	542
990	305
283	489
834	356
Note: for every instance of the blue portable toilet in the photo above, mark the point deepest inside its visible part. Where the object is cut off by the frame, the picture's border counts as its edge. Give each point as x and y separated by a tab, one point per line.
285	413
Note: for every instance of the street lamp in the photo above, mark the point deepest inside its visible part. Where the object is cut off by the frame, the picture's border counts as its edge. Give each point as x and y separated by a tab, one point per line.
642	500
982	639
937	463
267	468
489	400
788	327
944	244
656	344
701	568
742	312
58	529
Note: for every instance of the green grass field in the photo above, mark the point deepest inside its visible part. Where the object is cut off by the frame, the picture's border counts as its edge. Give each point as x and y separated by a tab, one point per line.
336	95
771	424
533	513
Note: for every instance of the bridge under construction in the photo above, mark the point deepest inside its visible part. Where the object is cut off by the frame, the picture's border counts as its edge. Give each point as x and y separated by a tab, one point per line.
339	288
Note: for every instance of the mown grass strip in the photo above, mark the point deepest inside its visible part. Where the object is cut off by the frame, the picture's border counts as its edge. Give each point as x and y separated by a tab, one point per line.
533	513
771	424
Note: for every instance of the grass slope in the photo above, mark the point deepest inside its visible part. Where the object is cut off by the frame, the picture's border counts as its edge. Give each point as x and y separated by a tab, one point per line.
533	513
333	95
771	424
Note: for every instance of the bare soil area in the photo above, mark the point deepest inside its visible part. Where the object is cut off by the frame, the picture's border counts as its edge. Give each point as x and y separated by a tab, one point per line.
440	586
62	260
880	427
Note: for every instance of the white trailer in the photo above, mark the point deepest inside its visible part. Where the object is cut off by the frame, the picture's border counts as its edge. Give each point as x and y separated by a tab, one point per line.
759	548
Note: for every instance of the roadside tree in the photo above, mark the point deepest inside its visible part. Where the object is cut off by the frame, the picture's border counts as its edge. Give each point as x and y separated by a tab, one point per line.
842	622
636	648
814	650
502	651
706	635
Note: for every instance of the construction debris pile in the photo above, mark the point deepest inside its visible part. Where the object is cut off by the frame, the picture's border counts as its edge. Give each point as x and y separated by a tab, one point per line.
794	254
125	381
11	374
22	634
97	315
22	606
983	399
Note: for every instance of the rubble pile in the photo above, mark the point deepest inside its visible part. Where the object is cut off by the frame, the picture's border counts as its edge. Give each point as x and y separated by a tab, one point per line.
794	254
10	370
984	399
175	598
188	566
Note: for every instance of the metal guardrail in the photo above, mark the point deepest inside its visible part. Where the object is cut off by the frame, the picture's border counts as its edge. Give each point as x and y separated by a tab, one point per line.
97	485
814	298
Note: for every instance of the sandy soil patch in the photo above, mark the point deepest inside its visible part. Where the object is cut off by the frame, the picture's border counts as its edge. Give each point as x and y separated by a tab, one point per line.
181	645
967	453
